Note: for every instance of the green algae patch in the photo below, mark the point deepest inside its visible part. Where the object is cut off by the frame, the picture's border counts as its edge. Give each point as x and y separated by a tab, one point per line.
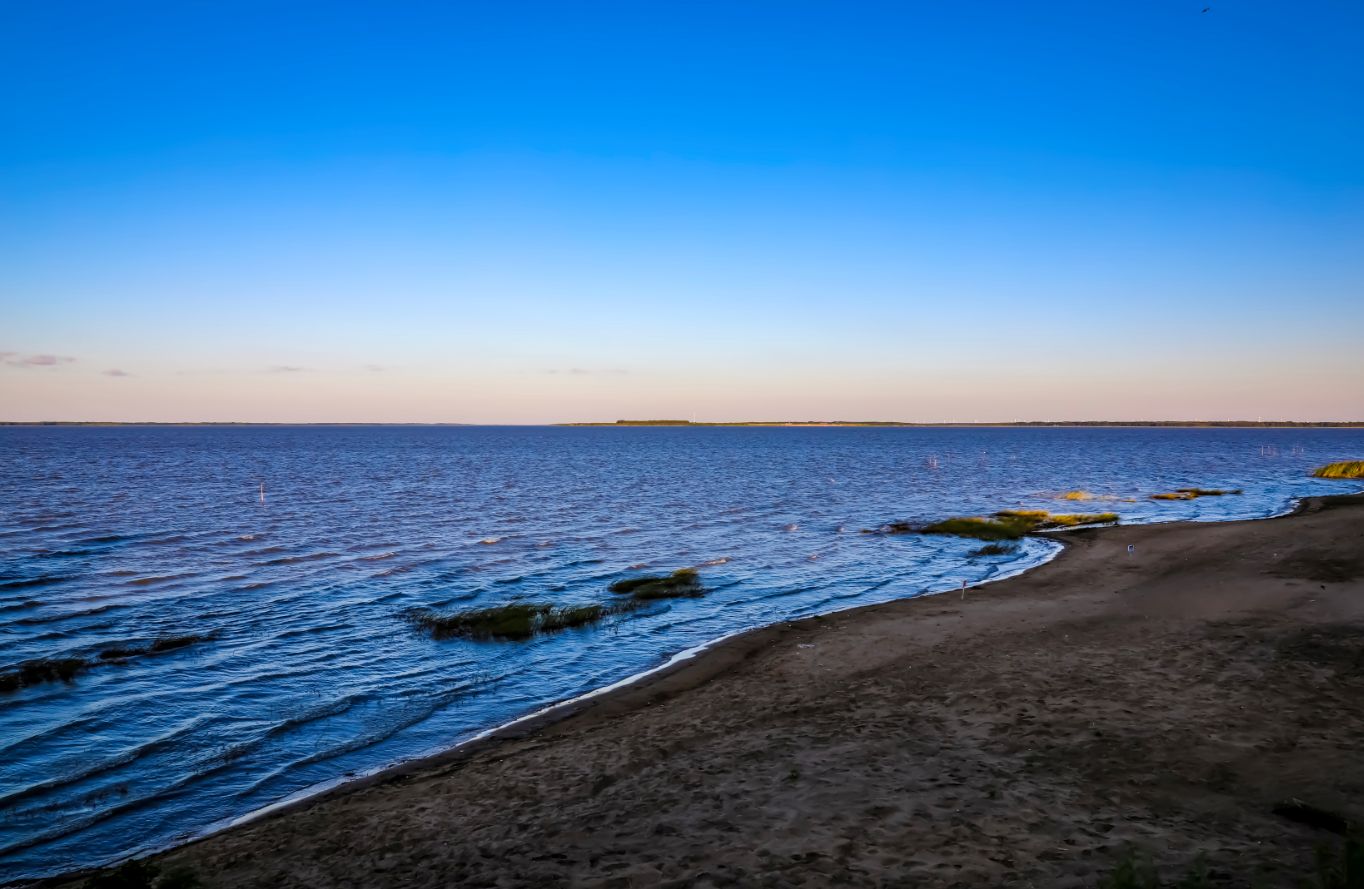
1070	521
681	584
1352	469
1041	520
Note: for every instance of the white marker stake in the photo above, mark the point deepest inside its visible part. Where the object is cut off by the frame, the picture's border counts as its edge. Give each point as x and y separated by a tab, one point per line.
262	493
963	591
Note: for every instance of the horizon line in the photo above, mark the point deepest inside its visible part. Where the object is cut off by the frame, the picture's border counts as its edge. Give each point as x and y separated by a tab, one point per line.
1319	424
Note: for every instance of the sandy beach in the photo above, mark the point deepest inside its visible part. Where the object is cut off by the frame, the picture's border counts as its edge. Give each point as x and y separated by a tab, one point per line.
1022	734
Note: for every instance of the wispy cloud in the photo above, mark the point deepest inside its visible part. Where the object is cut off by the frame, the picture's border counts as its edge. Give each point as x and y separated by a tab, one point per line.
115	372
284	369
580	371
375	367
34	360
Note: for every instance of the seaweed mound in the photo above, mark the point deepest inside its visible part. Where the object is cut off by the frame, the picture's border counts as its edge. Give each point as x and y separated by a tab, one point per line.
40	671
518	620
1011	524
1352	469
681	584
982	529
1192	493
994	549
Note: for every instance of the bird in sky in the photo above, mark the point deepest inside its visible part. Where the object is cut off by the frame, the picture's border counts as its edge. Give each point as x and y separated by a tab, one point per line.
1207	9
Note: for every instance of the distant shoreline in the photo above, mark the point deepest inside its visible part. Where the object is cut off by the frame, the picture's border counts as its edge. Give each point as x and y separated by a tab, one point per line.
799	424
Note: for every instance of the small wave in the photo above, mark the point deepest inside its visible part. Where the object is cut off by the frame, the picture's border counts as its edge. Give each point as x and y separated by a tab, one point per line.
147	581
379	557
791	527
46	580
706	564
29	621
334	708
63	554
783	593
295	560
491	539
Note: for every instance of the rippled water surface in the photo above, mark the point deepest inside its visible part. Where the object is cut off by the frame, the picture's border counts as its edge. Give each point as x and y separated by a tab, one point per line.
115	537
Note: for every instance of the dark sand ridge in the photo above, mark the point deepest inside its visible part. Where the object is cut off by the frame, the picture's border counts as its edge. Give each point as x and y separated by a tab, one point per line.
1021	736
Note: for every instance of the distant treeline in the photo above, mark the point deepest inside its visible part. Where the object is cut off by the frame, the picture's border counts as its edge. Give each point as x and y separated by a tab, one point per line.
1270	424
203	423
1273	424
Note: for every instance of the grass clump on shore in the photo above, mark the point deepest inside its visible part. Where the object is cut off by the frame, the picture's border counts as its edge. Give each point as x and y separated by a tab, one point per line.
1352	469
681	584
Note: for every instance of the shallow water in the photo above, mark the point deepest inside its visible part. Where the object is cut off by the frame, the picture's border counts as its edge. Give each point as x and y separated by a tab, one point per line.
117	536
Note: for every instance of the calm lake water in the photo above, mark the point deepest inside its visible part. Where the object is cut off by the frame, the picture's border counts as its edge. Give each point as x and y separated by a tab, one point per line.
115	537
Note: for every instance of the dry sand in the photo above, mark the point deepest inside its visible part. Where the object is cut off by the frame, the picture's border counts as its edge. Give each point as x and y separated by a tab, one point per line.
1019	737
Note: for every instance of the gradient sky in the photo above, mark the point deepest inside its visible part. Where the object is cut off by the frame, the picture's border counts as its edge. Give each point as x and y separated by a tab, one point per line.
542	212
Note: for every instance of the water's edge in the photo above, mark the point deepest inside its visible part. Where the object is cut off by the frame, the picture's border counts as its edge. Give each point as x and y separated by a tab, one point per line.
562	710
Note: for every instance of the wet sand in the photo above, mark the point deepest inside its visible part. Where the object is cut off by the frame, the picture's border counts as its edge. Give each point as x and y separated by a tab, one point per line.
1021	735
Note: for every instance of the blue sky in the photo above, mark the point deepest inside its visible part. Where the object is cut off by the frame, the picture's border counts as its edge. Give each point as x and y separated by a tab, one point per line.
540	212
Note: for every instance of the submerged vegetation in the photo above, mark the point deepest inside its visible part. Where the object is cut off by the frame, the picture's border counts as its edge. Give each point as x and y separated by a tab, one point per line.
1192	493
994	549
522	620
65	669
519	620
681	584
1352	469
40	671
